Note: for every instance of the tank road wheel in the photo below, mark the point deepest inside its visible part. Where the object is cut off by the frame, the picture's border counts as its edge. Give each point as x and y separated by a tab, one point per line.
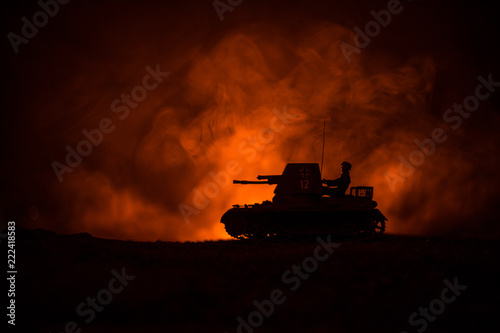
378	227
350	231
257	232
323	229
235	226
303	232
278	233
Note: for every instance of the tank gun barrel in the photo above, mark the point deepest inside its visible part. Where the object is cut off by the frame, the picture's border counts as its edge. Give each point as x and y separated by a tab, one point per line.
246	182
271	180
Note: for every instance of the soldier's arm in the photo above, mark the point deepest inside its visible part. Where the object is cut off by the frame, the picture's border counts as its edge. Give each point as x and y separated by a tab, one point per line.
334	182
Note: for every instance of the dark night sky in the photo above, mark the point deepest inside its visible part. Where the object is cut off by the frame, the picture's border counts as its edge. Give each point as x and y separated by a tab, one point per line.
265	54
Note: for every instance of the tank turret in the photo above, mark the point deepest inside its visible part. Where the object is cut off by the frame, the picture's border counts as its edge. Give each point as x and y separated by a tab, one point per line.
300	208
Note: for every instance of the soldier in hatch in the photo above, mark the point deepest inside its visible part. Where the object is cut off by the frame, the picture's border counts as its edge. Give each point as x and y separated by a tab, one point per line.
337	187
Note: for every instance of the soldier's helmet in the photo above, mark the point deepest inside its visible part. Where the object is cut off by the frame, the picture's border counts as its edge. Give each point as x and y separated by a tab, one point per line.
347	165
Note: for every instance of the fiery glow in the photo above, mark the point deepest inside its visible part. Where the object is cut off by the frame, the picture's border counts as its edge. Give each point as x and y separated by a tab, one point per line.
256	97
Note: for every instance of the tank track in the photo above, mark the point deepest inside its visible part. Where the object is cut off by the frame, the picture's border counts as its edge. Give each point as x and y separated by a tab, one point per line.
260	229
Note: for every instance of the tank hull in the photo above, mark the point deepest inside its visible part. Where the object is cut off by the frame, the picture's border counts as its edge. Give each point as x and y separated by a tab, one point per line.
346	217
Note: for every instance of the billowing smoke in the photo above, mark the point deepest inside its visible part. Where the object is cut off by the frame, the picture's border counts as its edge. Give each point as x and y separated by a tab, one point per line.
239	100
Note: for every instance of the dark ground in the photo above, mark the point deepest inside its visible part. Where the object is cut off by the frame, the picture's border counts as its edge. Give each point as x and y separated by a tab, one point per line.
364	286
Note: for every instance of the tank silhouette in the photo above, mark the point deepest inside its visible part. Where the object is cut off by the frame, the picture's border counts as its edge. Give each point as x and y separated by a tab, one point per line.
301	210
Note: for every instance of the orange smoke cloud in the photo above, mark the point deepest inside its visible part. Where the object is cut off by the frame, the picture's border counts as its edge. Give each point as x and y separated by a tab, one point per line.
249	102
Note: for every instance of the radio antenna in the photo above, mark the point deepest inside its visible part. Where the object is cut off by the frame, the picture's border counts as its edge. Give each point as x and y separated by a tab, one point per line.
323	152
